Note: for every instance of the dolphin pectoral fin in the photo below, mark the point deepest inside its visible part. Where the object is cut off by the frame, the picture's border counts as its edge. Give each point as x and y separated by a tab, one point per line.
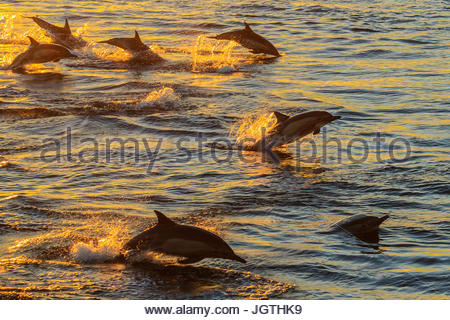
317	131
237	258
189	260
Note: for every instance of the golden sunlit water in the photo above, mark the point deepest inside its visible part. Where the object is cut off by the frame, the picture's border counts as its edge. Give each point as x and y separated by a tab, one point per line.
67	204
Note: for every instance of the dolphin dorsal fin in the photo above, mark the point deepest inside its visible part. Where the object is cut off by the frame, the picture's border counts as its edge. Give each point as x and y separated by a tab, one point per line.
66	27
280	117
33	42
136	36
162	219
247	26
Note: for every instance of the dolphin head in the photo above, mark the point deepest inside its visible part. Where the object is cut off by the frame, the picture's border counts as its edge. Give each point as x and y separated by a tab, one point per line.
325	118
257	43
366	225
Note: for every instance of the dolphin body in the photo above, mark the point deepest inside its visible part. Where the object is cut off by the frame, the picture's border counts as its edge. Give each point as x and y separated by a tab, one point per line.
140	51
175	239
40	53
61	35
250	40
288	129
362	226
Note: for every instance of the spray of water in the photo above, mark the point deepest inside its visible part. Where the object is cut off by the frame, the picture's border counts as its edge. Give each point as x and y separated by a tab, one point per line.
210	55
251	126
164	97
101	250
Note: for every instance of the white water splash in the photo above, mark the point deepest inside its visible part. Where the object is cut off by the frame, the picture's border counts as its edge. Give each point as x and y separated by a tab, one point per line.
164	97
251	128
104	250
213	56
9	197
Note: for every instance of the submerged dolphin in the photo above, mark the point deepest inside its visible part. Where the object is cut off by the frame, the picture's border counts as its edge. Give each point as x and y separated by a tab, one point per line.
135	46
250	40
179	240
40	53
60	35
362	226
288	129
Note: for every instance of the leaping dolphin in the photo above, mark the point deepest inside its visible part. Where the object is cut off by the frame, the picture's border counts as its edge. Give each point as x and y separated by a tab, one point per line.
362	226
60	35
250	40
135	46
288	129
175	239
40	53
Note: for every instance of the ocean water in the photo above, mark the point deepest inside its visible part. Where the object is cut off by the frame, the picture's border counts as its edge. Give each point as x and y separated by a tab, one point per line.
65	210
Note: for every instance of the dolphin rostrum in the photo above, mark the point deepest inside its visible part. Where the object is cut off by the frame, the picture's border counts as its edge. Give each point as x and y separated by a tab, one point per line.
40	53
362	226
135	46
175	239
288	129
250	40
60	35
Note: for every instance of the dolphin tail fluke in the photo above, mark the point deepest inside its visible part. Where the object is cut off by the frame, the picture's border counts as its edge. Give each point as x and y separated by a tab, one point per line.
14	66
